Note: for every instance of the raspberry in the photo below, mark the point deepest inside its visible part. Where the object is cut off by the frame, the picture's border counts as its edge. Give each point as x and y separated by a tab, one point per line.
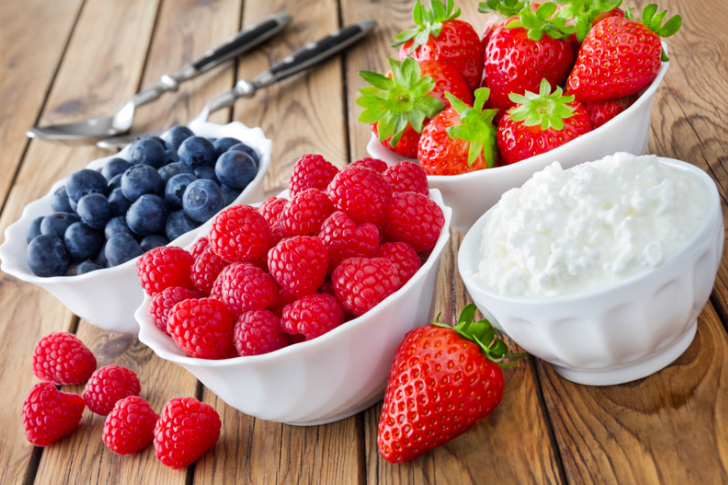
271	209
344	239
129	427
415	219
407	177
162	303
298	264
62	358
328	288
164	266
312	316
107	385
371	163
245	287
202	328
311	172
284	298
258	332
362	194
199	247
240	234
305	213
361	283
49	414
205	270
185	431
404	258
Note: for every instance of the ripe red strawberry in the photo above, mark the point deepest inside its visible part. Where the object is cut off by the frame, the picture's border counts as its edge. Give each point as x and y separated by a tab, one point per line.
460	139
602	111
162	303
185	431
258	332
202	328
406	145
539	123
61	358
584	14
403	257
49	414
415	219
344	239
407	177
271	209
107	385
245	287
205	270
497	13
304	214
373	163
362	194
312	316
298	264
442	381
439	36
240	234
361	284
311	172
621	56
164	266
129	427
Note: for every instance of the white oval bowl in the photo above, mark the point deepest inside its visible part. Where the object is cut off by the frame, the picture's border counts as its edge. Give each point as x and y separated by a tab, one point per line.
322	380
107	298
619	333
473	193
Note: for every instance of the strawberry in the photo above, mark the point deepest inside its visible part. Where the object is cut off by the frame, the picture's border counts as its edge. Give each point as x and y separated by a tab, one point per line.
438	35
584	14
539	123
442	381
460	139
602	111
621	56
497	13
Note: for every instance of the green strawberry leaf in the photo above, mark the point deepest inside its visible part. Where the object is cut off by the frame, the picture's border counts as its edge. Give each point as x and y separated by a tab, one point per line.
541	22
653	21
428	22
509	8
476	127
546	109
584	12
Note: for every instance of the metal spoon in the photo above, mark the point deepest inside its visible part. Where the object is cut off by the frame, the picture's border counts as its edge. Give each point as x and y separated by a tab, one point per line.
95	128
306	57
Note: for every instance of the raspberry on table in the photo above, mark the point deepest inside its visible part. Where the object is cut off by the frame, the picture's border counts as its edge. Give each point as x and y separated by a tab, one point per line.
49	414
258	332
245	287
312	315
202	328
107	385
240	234
162	303
344	239
199	247
299	264
305	213
311	172
371	163
129	427
205	271
163	267
415	219
362	194
407	177
61	358
404	258
185	431
271	209
361	284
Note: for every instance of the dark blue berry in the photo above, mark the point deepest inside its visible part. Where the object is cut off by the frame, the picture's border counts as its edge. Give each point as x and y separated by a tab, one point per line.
94	210
59	201
171	156
229	193
169	171
121	248
179	223
119	204
147	215
207	173
236	169
82	241
202	200
223	144
147	151
34	229
87	267
115	226
48	256
115	183
175	188
158	139
100	258
174	137
85	182
113	167
242	147
140	180
153	241
57	223
197	151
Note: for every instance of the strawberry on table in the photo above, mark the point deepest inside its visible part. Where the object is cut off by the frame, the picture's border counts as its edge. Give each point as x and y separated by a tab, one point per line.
539	123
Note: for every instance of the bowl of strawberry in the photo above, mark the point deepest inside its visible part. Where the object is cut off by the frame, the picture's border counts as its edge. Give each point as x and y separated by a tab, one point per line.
551	86
80	242
292	310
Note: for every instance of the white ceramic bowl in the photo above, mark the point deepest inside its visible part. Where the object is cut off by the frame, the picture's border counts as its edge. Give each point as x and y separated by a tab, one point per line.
471	194
323	380
107	298
618	333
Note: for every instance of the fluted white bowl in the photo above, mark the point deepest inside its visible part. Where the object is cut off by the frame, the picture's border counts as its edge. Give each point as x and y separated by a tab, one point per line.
618	333
107	298
322	380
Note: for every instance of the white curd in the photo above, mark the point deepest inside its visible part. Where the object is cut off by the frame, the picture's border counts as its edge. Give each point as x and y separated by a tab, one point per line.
600	222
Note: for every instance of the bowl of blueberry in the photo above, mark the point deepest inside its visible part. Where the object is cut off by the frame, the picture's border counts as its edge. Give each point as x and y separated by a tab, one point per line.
80	242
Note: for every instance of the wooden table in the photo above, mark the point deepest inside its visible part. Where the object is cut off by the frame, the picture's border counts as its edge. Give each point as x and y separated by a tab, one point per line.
66	60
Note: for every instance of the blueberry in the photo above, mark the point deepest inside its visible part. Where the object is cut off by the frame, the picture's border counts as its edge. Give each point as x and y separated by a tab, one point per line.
57	223
87	267
202	200
119	204
236	169
115	226
34	229
153	241
207	173
147	215
113	167
94	210
169	171
85	182
100	258
82	241
197	151
229	193
176	187
59	201
171	156
115	182
158	139
223	144
48	256
174	137
121	248
242	147
179	223
147	151
140	180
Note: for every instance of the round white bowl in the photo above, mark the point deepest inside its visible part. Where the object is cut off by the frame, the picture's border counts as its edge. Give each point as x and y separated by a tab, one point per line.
319	381
473	193
107	298
618	333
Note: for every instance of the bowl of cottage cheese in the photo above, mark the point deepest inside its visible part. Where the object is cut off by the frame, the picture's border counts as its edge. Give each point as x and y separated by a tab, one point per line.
601	269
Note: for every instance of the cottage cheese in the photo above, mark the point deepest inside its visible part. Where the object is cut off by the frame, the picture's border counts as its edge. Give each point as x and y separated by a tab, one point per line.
600	222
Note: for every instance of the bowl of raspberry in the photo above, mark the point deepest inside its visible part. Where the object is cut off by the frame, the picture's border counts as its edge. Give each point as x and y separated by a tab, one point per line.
80	242
291	310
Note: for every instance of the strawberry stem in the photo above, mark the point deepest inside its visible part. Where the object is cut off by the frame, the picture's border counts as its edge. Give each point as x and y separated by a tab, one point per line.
476	127
545	108
429	22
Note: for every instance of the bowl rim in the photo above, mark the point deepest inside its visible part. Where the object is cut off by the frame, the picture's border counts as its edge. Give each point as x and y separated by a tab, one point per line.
149	333
471	243
13	235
